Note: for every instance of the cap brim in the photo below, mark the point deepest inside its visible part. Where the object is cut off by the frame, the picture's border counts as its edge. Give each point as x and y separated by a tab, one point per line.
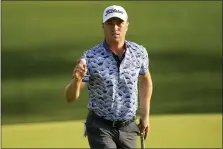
114	16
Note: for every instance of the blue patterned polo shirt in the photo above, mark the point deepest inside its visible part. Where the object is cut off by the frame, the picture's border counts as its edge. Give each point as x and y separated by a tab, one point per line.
112	88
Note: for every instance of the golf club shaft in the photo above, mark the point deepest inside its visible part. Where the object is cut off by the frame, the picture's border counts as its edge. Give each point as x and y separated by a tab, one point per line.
142	141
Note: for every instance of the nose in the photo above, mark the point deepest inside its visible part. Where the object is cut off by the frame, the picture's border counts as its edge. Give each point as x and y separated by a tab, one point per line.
116	26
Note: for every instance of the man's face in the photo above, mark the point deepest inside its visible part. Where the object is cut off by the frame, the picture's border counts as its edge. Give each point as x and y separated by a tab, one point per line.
115	29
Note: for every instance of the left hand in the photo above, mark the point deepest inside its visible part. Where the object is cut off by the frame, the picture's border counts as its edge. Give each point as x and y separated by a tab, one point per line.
144	126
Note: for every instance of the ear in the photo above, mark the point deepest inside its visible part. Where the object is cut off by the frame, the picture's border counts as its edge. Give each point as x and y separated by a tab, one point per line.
127	26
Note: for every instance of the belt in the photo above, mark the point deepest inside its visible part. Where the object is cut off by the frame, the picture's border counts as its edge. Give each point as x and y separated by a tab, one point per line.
115	124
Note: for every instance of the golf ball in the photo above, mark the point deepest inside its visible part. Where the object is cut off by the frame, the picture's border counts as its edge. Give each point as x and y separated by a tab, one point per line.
83	61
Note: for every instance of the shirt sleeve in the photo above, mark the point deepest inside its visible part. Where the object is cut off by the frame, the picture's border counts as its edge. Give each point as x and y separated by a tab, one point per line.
145	62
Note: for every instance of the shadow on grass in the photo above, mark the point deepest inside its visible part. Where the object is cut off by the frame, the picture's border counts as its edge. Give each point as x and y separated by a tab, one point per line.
42	61
197	89
47	61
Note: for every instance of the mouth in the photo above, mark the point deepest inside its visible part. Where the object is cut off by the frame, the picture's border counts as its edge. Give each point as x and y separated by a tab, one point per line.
115	34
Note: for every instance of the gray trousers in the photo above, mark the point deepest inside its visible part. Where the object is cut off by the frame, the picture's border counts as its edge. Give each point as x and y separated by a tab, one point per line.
103	136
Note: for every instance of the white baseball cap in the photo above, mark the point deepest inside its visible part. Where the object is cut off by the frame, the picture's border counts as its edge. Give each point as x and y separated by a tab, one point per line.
115	11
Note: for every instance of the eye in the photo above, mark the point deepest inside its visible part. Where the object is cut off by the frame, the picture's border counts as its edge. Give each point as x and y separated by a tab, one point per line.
120	23
108	23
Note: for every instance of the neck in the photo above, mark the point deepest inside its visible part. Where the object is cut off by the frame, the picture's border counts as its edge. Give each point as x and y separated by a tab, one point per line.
116	46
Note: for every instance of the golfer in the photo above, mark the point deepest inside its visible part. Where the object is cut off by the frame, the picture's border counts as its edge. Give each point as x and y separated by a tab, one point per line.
111	71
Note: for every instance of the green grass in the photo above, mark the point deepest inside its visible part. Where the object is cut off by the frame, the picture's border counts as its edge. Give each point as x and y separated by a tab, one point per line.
169	131
42	40
187	25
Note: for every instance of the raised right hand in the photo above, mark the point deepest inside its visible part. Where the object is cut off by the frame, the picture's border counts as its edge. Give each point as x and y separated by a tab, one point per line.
80	70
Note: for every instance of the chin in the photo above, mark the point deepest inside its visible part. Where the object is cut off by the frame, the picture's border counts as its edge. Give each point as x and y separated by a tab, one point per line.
116	39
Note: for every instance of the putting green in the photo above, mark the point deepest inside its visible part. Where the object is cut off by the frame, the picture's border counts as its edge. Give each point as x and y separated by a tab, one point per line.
170	131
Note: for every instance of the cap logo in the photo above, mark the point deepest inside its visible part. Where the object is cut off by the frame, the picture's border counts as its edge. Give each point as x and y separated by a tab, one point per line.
113	11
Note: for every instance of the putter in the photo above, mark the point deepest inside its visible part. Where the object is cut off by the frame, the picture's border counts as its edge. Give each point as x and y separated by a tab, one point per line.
142	141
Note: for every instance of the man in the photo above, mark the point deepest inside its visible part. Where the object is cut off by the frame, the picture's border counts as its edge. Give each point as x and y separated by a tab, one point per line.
111	74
